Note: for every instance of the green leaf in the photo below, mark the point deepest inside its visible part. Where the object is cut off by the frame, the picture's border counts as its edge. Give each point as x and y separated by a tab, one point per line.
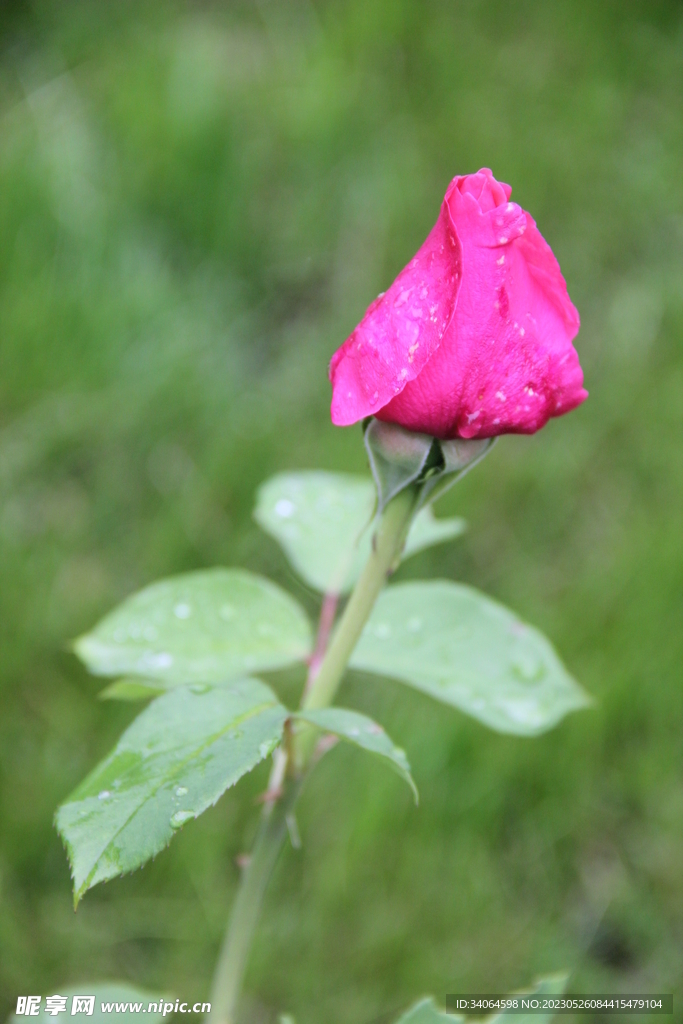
206	627
552	985
131	688
363	732
425	1011
104	992
428	530
324	523
469	651
174	761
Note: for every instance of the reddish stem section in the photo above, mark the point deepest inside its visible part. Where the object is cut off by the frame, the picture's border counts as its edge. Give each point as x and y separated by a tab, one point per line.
325	624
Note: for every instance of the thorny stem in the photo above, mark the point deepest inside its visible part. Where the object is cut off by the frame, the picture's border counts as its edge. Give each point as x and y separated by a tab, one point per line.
325	673
232	959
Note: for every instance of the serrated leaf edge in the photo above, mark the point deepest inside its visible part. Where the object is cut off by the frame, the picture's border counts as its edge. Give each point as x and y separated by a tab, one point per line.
399	763
85	885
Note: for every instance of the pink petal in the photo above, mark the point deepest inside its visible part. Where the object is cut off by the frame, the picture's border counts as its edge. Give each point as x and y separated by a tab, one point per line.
400	331
474	337
506	363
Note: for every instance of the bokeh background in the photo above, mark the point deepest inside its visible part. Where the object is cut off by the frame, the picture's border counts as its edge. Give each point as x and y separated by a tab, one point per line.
197	203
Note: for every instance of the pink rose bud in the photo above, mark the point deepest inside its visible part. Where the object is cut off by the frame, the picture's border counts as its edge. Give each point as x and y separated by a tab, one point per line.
474	337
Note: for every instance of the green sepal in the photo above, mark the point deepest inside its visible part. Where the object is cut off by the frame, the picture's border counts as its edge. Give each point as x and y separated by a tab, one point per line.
397	457
459	457
400	457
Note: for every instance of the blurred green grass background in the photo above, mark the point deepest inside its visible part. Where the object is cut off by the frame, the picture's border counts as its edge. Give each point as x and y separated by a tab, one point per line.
197	203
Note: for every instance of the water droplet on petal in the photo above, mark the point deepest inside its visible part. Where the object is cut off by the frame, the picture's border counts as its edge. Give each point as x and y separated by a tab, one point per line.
182	611
181	791
104	795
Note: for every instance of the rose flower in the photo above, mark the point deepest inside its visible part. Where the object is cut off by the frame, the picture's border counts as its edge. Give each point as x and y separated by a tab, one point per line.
474	337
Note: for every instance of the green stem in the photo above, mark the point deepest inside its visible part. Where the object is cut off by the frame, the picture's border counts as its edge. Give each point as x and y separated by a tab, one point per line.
234	953
387	546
